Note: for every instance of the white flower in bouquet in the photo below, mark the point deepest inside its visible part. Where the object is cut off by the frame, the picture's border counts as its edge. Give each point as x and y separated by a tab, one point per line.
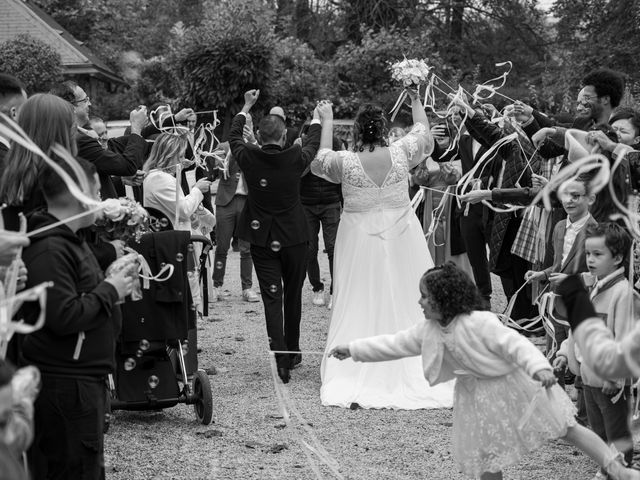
122	219
410	72
113	209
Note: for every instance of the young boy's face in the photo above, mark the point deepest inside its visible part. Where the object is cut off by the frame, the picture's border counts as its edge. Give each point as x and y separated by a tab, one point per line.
600	261
575	200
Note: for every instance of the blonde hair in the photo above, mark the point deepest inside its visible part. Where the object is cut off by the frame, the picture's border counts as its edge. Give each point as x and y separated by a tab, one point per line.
167	151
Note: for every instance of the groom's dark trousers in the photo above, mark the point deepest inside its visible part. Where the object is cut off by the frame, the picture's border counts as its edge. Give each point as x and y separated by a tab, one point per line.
273	222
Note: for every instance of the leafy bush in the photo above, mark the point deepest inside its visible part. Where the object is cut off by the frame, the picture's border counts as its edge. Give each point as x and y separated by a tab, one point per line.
157	82
362	69
217	74
299	78
228	54
34	62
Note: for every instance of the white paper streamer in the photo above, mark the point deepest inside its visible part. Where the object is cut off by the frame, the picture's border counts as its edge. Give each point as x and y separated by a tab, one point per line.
313	447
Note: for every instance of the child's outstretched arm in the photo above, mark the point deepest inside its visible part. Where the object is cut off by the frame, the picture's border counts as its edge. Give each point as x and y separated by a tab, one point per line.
341	352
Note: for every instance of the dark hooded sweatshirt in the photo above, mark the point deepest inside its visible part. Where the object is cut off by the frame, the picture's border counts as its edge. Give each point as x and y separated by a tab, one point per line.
82	322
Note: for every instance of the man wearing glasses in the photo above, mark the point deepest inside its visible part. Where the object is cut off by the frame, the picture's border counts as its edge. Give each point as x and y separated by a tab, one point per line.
124	156
601	92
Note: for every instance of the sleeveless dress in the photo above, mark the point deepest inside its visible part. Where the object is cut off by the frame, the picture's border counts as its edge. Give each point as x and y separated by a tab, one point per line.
380	255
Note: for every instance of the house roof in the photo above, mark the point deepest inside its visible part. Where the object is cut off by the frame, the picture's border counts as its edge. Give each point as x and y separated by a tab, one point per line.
22	16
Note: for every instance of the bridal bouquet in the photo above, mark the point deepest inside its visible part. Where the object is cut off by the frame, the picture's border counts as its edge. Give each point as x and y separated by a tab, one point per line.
410	72
123	219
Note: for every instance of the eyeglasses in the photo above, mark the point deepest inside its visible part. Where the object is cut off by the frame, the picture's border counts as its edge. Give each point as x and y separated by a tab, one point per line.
82	100
587	100
574	196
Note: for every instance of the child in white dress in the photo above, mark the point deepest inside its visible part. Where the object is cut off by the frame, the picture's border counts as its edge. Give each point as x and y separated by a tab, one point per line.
506	402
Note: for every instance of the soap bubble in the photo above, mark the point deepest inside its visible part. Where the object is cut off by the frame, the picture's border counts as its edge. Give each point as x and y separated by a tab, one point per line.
129	364
275	246
144	345
273	289
153	381
255	224
179	257
263	182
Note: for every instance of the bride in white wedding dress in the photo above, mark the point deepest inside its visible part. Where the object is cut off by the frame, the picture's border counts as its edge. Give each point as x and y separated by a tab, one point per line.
380	255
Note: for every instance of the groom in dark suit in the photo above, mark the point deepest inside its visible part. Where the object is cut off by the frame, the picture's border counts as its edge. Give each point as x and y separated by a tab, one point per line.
273	222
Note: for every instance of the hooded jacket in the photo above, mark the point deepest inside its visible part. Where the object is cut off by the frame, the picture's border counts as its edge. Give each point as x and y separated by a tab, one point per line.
82	319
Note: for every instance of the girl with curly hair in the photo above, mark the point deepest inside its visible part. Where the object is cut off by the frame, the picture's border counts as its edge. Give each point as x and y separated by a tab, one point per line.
506	401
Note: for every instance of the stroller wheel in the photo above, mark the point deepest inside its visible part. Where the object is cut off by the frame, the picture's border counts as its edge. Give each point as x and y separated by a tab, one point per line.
203	405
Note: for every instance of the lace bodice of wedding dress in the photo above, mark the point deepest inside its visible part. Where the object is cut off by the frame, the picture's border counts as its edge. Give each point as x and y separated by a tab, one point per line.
359	191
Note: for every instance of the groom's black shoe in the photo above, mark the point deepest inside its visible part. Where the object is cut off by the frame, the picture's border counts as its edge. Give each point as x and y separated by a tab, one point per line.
284	375
284	364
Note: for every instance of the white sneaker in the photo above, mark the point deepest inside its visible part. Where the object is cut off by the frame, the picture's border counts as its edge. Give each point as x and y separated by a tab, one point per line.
215	295
249	295
599	475
330	305
318	298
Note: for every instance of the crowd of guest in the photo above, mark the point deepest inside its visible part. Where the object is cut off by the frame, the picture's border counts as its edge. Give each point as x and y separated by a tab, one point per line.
490	227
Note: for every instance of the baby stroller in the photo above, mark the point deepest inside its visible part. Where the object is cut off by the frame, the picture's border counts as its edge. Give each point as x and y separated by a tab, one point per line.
153	370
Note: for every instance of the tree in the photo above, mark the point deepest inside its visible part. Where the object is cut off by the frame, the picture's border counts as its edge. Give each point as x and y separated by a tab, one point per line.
156	82
299	78
229	53
598	33
362	69
382	14
34	62
110	27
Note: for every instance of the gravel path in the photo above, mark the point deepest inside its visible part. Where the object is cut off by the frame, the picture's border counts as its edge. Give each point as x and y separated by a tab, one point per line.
249	439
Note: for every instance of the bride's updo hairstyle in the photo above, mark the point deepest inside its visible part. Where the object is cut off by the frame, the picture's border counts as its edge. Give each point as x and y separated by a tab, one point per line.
370	128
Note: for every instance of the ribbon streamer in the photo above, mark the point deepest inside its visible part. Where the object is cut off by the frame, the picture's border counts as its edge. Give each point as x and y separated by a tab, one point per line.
178	191
145	273
9	304
468	177
160	115
436	215
288	409
396	108
560	180
488	85
64	221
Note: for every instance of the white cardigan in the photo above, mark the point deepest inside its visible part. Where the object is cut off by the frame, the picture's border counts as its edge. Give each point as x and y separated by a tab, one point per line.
607	357
478	342
159	190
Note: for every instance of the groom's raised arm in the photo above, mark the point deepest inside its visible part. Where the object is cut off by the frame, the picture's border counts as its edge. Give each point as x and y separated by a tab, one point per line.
236	138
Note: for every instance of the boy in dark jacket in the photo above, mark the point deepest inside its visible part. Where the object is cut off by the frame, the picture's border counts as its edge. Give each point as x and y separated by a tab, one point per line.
75	350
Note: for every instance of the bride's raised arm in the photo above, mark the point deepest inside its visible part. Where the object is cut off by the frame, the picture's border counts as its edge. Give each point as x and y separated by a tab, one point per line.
418	143
327	164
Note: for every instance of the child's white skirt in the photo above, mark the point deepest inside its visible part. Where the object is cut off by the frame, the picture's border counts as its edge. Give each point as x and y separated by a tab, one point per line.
497	420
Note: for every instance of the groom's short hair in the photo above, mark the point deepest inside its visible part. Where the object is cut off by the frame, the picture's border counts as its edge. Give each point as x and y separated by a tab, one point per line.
271	128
